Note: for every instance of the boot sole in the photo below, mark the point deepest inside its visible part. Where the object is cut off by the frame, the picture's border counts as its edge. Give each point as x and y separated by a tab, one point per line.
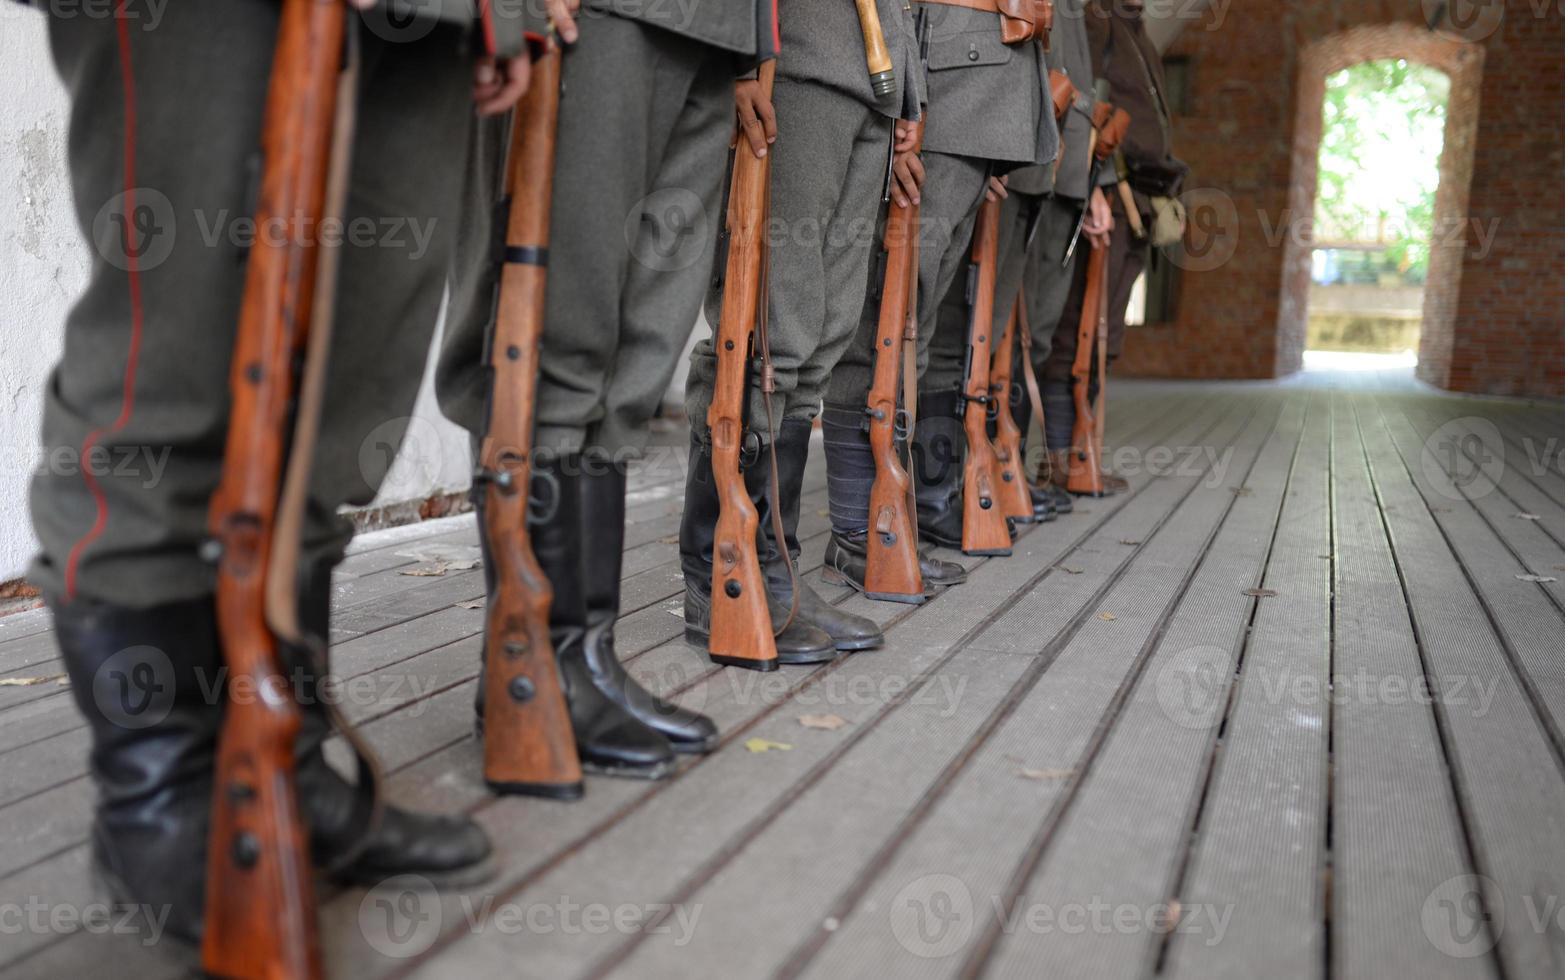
438	880
696	637
833	577
704	747
661	770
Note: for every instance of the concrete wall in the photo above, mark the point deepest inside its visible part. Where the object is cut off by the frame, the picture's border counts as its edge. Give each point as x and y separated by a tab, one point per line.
43	265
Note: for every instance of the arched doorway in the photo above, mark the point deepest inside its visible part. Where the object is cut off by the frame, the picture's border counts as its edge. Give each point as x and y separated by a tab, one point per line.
1462	62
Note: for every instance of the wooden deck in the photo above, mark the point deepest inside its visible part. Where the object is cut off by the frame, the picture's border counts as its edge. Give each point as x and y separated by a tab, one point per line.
1294	707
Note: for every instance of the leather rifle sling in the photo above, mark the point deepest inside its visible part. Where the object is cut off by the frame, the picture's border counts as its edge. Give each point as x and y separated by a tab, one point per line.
1030	376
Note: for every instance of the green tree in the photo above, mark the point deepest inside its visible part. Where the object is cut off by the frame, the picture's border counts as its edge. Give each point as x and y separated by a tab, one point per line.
1382	133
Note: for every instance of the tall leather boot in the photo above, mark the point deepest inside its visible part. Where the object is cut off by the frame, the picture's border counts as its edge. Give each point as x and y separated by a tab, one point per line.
603	546
801	642
938	445
850	478
148	682
781	560
448	850
609	739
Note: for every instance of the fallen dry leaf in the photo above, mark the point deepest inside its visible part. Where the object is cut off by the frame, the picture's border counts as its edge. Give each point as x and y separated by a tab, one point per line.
1044	775
671	539
1261	593
1128	542
1527	517
825	723
471	604
1107	617
763	745
427	571
1240	491
1069	570
457	557
29	681
1536	578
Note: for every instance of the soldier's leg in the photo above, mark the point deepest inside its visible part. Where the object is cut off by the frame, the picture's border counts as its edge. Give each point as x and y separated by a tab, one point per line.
1046	289
146	364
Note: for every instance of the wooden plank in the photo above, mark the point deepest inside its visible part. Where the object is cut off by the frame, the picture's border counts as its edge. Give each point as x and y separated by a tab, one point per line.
1506	774
741	707
914	872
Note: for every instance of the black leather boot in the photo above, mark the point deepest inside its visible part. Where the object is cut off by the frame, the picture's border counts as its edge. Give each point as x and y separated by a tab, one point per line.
603	545
801	642
938	444
609	739
448	850
148	682
781	560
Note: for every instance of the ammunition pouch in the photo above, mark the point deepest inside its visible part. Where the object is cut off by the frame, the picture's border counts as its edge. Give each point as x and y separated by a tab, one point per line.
1061	92
1021	21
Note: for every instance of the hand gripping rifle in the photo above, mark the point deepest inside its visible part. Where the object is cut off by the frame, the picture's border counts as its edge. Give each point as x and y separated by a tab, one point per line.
529	747
1086	457
891	566
742	634
260	902
984	529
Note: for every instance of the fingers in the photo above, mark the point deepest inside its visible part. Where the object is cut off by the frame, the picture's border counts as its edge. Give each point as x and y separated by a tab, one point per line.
907	135
907	183
498	86
562	13
996	190
757	120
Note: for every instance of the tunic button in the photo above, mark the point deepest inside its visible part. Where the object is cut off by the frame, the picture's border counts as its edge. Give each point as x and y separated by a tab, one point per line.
972	53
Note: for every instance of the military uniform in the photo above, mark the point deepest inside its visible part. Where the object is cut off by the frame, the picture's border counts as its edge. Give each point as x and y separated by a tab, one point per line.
1124	55
166	119
828	171
646	112
989	114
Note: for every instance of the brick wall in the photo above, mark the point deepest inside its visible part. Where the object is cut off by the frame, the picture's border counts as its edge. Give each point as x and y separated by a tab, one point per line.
1495	313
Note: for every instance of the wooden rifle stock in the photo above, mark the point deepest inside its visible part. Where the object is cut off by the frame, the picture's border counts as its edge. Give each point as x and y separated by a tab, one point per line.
741	622
1015	497
1086	458
984	531
891	567
529	747
260	916
882	73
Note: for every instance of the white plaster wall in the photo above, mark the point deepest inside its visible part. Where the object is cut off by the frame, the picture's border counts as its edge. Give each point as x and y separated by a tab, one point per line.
43	261
43	265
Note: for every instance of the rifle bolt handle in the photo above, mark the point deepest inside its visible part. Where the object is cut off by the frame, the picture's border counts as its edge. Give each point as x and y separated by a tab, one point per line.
522	689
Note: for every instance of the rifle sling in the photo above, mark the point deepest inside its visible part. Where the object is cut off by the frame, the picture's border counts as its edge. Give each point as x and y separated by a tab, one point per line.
763	344
282	575
1030	376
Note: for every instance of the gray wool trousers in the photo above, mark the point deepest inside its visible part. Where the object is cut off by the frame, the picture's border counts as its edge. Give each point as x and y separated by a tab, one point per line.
828	172
164	151
645	118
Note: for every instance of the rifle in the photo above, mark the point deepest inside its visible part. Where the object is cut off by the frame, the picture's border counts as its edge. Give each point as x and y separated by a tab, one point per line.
529	747
260	902
742	633
1086	472
984	530
892	568
1015	496
882	73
